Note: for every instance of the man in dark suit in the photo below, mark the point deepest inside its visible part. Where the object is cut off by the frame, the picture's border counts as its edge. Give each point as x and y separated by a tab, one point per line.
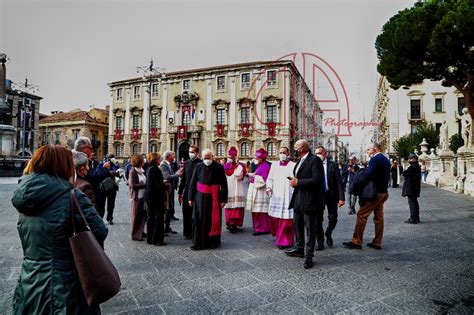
333	197
172	178
183	190
379	172
348	172
411	188
307	201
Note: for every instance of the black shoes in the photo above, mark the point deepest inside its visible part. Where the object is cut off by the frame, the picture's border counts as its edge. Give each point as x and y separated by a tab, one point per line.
175	219
195	247
411	221
351	245
320	247
110	222
372	245
352	211
328	239
260	233
294	252
284	247
233	229
170	231
308	263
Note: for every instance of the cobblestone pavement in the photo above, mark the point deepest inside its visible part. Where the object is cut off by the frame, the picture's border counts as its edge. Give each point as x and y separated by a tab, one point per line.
425	268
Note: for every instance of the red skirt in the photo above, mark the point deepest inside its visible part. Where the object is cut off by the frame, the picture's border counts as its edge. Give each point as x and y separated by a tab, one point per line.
261	222
234	217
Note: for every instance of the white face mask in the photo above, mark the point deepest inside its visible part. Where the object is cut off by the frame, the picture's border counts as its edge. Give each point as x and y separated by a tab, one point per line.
144	160
192	155
113	160
256	162
320	156
283	157
207	162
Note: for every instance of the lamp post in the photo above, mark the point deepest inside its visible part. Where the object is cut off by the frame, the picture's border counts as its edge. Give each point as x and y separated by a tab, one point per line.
151	73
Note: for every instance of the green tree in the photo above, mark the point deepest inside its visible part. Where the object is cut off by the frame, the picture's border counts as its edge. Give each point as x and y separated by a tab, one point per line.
431	40
455	142
406	145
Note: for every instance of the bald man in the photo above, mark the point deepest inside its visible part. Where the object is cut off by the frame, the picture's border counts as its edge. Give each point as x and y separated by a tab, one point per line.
307	201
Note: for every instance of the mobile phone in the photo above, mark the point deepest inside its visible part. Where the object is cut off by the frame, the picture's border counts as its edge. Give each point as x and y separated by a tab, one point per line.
289	178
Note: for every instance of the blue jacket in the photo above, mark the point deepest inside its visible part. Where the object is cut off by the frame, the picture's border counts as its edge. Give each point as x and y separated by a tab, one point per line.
379	171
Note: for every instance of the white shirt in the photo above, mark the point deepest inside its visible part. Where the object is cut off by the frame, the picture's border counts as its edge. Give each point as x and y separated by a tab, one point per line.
301	162
325	165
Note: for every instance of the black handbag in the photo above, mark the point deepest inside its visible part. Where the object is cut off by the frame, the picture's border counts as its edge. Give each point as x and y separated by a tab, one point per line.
369	191
98	276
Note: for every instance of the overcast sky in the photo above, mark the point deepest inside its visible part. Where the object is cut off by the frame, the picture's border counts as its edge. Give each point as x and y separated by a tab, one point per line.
72	49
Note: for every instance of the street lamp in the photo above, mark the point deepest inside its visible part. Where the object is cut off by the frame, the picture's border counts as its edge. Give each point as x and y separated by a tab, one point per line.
150	72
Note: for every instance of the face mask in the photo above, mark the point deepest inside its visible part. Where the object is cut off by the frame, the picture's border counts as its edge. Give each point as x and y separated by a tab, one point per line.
296	152
256	162
229	160
207	162
283	157
320	156
192	155
144	160
113	160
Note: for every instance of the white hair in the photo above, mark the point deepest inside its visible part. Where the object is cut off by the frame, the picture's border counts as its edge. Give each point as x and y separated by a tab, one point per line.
167	154
206	151
79	158
81	142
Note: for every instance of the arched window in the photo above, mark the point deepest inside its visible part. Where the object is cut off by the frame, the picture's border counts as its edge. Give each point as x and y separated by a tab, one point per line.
135	149
118	150
154	148
271	149
245	149
220	149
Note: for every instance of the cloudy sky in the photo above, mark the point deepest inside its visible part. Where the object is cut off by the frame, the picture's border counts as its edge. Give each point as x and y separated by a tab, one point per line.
72	49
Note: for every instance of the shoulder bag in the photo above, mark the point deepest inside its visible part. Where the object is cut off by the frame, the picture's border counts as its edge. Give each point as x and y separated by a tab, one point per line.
98	276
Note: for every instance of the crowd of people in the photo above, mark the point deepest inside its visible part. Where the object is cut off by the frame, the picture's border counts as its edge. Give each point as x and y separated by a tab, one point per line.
286	199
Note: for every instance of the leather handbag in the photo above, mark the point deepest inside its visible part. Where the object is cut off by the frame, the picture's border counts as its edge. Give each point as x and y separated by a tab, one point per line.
98	276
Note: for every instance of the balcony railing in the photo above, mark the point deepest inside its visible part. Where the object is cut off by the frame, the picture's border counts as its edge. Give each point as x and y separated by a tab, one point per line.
416	118
245	129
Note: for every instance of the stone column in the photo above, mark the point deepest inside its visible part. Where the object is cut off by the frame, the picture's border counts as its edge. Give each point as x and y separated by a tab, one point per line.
447	169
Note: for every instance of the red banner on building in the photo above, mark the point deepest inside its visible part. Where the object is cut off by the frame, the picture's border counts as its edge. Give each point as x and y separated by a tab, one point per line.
135	134
153	132
271	129
220	130
118	134
182	132
245	130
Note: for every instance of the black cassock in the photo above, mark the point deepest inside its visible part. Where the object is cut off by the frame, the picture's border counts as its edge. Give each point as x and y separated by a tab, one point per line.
206	182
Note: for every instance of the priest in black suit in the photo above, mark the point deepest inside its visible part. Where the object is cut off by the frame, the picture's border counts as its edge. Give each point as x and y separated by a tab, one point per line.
334	197
307	201
183	189
207	196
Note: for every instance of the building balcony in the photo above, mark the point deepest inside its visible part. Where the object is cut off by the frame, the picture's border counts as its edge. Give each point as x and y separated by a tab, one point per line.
118	134
221	131
415	118
135	134
245	129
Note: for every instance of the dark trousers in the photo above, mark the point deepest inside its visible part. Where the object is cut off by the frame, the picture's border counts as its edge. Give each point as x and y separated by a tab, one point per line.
331	205
155	226
187	219
169	212
305	231
414	208
108	196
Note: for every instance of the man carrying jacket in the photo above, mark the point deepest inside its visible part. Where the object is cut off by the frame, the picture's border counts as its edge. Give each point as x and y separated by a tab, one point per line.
379	172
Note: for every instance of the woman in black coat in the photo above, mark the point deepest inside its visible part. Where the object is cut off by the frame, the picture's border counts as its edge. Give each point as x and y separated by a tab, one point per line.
155	198
411	188
395	172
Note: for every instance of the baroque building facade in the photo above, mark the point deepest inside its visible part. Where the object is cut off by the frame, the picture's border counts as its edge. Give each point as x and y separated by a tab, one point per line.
64	128
400	111
250	105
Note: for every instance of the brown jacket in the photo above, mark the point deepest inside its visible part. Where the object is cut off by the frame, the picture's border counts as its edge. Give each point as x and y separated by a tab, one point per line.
86	188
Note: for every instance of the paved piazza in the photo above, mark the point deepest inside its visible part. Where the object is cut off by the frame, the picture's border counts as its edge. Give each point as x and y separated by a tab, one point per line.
425	268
